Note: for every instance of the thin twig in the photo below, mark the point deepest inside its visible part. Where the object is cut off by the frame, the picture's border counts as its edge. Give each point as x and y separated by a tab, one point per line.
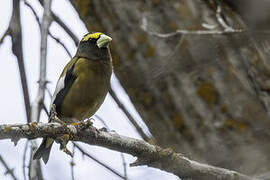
49	92
144	27
63	25
122	156
72	163
9	171
102	121
98	161
61	43
128	115
4	35
124	165
49	32
221	19
34	171
24	160
45	109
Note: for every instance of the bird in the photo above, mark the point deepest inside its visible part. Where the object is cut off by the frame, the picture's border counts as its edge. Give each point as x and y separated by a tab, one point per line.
82	85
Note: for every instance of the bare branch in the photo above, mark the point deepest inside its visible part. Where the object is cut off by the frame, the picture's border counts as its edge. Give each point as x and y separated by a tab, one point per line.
124	165
72	163
35	172
63	25
147	154
24	159
34	166
122	156
49	32
9	171
16	35
4	35
221	20
98	161
102	121
128	115
144	27
39	100
61	43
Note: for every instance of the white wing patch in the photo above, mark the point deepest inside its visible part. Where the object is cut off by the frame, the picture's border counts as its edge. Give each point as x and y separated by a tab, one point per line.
59	86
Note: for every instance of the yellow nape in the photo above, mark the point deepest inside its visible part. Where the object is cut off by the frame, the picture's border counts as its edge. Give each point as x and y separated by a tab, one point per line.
91	36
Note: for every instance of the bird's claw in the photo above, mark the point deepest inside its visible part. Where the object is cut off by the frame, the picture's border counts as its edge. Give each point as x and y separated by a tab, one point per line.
63	140
53	116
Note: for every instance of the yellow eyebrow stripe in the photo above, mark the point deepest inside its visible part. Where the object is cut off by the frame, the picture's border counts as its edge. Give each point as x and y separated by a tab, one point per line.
92	36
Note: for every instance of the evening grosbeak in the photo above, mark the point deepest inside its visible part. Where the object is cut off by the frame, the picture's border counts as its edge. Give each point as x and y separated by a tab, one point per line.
82	86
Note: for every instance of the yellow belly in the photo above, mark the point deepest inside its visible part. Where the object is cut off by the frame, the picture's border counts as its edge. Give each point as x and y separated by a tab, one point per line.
88	90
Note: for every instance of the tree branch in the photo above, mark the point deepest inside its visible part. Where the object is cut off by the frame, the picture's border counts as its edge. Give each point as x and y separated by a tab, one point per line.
6	33
72	163
63	25
129	116
9	171
98	161
39	100
103	164
147	154
24	160
34	166
144	27
35	171
15	31
49	33
124	166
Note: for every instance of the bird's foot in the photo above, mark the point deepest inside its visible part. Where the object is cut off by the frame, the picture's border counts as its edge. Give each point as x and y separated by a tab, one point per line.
63	140
57	120
84	124
103	129
54	117
89	119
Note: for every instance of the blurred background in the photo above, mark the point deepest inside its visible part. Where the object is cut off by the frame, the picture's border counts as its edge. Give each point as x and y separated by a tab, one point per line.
192	75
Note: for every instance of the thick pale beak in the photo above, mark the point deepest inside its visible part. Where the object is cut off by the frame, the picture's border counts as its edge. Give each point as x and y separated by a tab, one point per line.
103	40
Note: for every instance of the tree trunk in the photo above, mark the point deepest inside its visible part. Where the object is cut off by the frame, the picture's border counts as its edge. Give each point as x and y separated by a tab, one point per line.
203	95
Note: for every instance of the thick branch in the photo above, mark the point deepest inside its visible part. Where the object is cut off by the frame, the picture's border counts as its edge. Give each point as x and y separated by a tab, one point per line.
147	154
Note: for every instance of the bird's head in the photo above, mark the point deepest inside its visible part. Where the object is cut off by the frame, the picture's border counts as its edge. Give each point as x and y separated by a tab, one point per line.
94	46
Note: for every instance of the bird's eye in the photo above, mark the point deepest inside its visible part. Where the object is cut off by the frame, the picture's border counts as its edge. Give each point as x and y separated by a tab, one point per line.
92	40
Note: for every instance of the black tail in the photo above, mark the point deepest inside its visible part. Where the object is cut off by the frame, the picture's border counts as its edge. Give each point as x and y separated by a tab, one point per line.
43	151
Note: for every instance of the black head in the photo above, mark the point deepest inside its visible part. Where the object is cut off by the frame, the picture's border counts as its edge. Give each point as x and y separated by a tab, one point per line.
94	46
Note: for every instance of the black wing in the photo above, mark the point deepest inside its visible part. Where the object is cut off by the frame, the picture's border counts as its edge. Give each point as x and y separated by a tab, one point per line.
69	80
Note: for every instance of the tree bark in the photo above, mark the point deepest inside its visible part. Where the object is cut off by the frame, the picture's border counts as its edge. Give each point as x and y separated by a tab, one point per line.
204	95
147	154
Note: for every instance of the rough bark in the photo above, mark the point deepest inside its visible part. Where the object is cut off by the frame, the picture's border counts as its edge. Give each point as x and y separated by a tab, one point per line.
203	95
147	154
